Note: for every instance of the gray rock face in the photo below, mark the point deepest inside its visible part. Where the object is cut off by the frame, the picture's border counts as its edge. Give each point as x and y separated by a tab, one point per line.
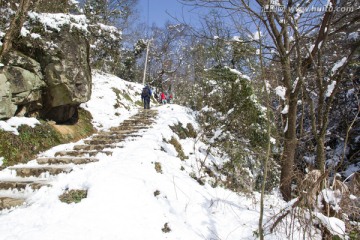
49	75
18	59
67	75
6	107
21	82
25	86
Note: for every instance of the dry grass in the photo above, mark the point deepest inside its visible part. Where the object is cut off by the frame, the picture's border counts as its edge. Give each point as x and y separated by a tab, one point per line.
73	196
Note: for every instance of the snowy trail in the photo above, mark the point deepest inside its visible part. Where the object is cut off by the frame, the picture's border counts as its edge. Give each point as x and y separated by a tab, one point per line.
121	202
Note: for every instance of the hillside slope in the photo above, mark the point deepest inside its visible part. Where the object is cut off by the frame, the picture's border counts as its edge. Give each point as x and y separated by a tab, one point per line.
143	190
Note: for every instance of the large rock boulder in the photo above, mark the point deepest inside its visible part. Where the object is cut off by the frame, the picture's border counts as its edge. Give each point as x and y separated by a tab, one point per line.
21	83
66	72
50	68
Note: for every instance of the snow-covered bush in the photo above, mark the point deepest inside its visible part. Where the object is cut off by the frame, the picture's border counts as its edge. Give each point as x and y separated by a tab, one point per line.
234	120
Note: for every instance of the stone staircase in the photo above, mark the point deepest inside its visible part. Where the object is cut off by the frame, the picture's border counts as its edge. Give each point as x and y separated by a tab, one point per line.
24	176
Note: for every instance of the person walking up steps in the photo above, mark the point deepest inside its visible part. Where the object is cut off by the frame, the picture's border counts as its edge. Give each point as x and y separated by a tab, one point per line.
163	98
145	96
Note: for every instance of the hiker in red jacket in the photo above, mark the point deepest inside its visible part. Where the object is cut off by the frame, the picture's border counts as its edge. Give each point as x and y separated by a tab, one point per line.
171	98
163	98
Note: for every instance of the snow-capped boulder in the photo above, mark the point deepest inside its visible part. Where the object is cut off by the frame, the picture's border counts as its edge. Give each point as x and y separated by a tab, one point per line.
52	54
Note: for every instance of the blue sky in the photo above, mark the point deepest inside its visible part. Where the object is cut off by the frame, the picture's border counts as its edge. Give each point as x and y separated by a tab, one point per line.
158	11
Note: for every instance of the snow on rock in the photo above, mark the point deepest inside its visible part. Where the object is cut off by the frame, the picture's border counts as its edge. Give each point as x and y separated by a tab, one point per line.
13	123
54	21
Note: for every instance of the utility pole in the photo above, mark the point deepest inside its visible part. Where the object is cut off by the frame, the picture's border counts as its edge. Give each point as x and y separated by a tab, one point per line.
146	60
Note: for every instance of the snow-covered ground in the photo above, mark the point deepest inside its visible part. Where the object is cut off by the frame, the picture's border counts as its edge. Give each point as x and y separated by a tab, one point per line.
121	203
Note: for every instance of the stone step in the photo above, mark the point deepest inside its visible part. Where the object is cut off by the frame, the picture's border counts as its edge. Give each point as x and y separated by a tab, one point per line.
136	118
133	125
9	202
134	135
133	121
147	110
128	127
145	114
139	119
102	141
142	117
120	132
117	131
21	184
113	135
114	138
137	122
74	153
95	147
66	160
37	171
134	128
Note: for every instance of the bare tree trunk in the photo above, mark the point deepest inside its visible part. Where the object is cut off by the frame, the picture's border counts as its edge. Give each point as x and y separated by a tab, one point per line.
15	27
268	150
290	144
320	153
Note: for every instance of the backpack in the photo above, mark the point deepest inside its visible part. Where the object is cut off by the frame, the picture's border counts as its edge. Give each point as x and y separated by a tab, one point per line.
145	92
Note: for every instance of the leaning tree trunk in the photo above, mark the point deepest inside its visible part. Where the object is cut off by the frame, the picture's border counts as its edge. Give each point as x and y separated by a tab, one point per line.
15	27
